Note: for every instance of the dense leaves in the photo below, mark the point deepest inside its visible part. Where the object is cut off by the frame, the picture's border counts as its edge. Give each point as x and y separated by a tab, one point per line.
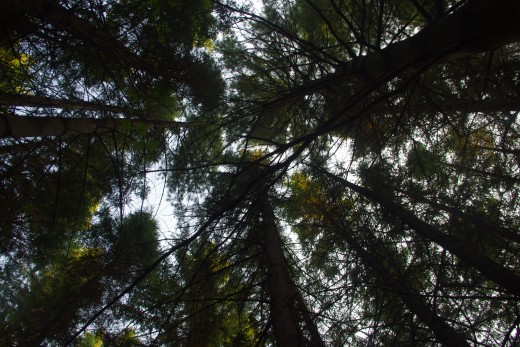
340	173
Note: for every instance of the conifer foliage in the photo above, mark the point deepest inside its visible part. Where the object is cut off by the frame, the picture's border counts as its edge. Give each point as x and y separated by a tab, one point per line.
341	173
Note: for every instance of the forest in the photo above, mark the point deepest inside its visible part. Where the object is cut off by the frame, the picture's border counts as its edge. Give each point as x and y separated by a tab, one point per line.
336	173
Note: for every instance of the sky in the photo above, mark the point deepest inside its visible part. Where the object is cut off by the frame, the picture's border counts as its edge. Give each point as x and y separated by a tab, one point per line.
156	200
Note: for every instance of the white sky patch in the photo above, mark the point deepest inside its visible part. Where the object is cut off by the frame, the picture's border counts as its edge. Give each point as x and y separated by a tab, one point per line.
162	209
157	203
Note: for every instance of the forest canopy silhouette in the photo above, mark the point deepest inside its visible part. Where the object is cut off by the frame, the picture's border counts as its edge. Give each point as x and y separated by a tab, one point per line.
341	173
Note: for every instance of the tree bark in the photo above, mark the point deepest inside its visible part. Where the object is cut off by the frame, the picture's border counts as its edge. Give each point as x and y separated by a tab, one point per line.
286	300
29	126
7	99
478	26
478	222
287	330
316	339
492	175
507	279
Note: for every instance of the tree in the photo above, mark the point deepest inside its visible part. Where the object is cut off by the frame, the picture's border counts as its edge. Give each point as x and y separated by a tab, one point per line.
28	126
343	172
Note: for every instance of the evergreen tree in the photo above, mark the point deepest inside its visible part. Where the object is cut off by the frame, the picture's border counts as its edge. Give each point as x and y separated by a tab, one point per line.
342	173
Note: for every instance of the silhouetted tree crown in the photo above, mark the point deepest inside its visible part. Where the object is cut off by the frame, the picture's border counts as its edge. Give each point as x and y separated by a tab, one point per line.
334	173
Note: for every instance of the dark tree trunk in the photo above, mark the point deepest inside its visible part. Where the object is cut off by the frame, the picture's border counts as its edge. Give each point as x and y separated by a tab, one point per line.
481	224
478	26
445	333
29	126
504	277
287	331
452	106
288	307
7	99
491	175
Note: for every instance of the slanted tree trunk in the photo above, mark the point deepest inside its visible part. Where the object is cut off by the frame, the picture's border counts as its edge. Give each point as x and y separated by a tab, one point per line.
500	149
492	175
499	274
478	26
445	333
478	222
30	126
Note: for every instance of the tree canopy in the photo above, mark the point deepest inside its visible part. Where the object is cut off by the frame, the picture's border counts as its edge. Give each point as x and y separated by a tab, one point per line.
341	173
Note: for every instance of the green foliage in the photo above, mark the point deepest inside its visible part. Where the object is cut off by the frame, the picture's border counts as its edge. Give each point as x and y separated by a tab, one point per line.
188	23
421	162
53	299
90	340
100	338
205	81
272	106
14	70
210	322
138	244
153	100
54	197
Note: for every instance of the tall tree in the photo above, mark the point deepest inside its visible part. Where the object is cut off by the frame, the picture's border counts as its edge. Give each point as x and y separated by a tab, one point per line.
344	173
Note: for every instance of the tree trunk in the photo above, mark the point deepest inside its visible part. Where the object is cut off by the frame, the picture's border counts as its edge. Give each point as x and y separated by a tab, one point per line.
478	26
285	298
500	149
287	331
481	224
504	277
492	175
445	333
7	99
309	322
29	126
